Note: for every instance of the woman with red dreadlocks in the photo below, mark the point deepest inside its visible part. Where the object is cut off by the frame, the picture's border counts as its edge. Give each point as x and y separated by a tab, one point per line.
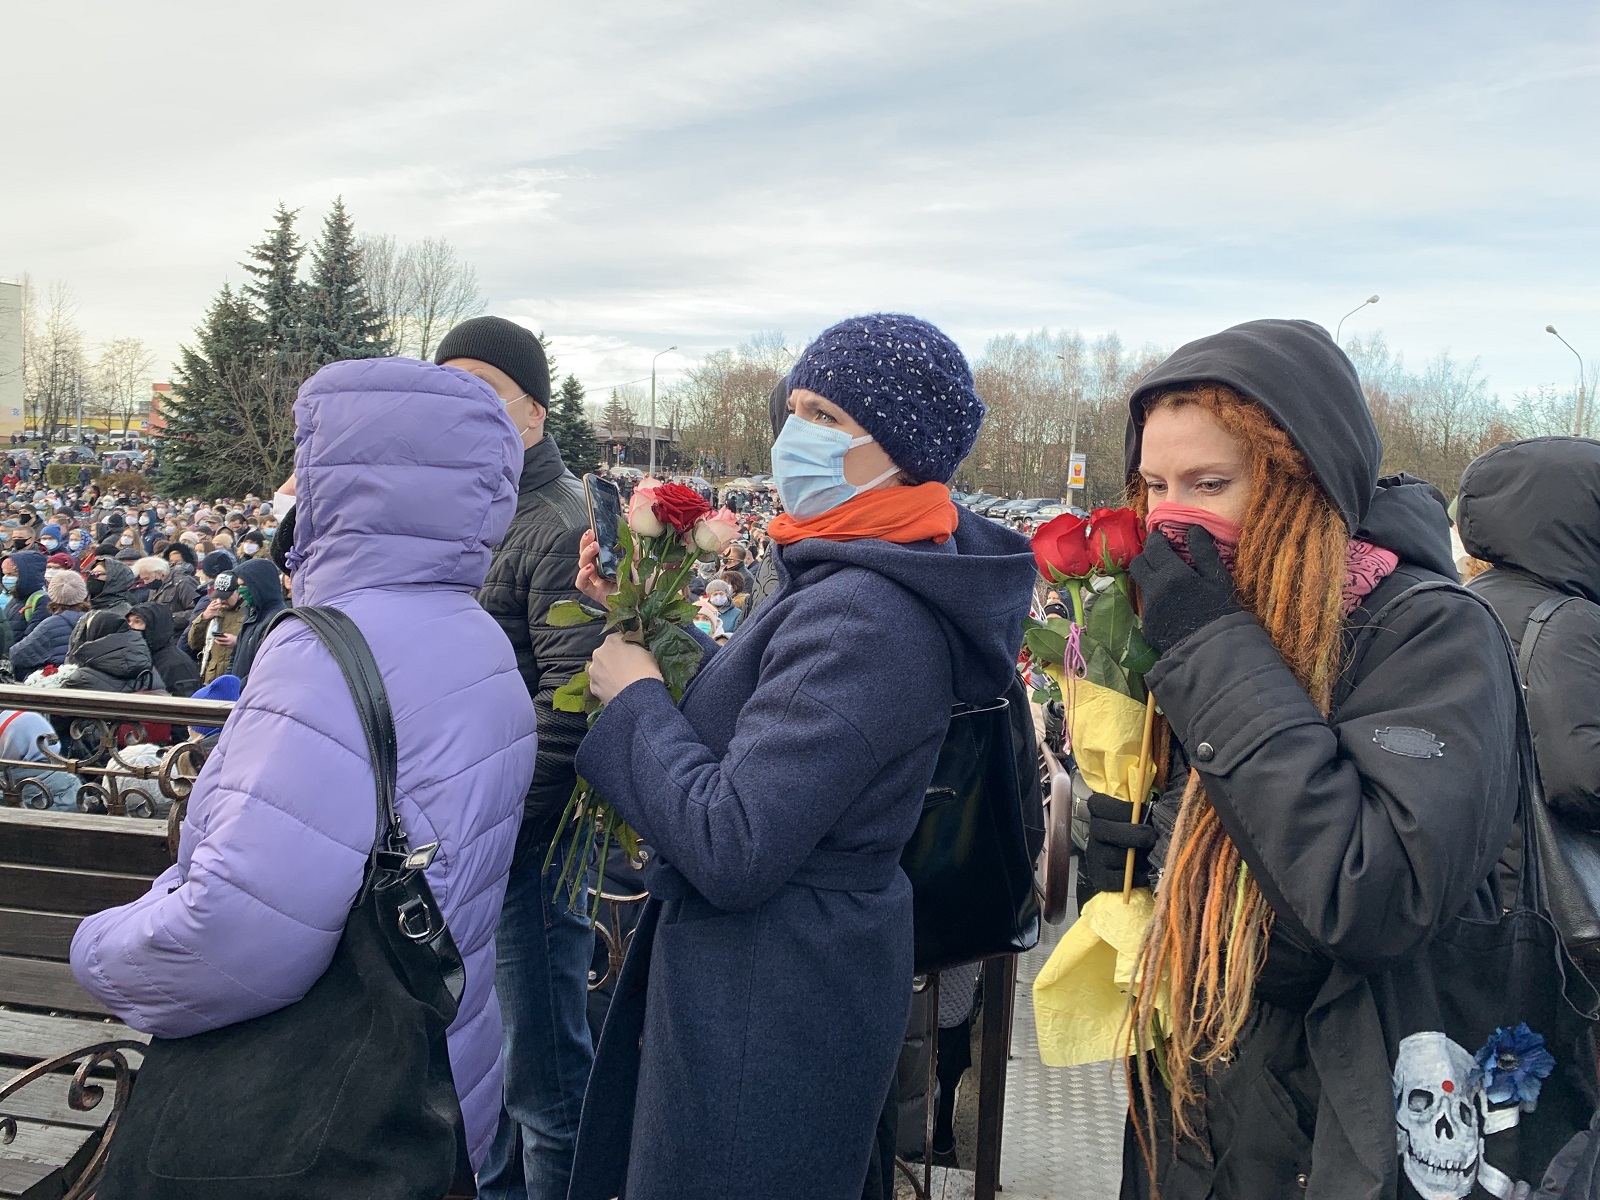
1328	807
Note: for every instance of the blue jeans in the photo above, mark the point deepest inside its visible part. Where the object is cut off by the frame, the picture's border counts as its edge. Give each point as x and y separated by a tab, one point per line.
542	981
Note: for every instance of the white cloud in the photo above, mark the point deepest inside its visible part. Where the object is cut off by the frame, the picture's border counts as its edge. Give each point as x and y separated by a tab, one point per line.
630	176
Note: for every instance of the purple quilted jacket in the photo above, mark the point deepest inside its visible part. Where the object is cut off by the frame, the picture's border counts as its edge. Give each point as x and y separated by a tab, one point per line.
407	477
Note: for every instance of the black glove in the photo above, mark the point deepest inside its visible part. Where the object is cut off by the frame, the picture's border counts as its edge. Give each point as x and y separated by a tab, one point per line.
1112	834
1177	599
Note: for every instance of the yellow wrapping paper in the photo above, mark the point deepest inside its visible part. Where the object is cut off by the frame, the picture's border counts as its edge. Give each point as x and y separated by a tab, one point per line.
1080	999
1106	728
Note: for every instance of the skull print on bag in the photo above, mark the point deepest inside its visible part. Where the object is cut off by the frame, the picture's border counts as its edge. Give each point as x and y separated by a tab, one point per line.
1435	1108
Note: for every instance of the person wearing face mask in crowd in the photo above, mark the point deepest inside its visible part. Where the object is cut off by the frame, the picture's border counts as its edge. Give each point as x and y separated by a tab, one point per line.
779	795
1303	848
78	544
544	951
215	629
169	586
251	545
22	577
47	645
110	583
50	538
177	670
261	587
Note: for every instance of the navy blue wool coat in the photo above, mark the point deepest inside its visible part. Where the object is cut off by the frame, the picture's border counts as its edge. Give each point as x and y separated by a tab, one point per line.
758	1018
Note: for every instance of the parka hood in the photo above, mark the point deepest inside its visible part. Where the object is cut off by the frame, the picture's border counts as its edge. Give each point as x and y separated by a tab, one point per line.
1534	506
30	572
121	653
405	473
1294	370
1409	516
979	585
120	580
158	629
264	582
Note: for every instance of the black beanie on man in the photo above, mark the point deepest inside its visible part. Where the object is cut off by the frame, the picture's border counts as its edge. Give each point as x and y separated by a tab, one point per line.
503	344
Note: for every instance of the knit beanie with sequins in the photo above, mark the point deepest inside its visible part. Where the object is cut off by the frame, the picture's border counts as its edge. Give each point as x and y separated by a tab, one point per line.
907	384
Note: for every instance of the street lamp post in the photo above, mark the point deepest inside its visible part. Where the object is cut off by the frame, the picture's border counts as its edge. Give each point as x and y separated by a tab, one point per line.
1578	423
668	350
1372	299
1072	442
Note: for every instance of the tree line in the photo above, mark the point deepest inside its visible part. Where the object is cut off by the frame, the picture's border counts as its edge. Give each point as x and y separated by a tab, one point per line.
1052	391
64	374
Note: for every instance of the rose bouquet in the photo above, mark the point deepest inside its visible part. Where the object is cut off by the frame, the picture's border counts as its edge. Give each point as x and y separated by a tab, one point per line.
1095	664
669	528
1088	558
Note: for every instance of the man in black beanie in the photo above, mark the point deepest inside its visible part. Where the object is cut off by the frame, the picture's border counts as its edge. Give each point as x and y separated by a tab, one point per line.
544	951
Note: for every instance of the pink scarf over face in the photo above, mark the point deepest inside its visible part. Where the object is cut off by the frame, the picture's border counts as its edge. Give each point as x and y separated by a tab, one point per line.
1366	565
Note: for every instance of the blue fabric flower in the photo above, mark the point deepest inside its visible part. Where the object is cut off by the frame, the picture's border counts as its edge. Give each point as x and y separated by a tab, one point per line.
1513	1065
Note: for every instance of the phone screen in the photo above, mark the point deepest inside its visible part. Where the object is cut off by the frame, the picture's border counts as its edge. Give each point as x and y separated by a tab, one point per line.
605	510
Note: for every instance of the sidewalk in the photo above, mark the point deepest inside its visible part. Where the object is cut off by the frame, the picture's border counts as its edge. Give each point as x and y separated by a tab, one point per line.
1063	1133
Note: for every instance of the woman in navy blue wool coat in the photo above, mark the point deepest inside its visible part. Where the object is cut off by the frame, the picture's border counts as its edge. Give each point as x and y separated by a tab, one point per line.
758	1018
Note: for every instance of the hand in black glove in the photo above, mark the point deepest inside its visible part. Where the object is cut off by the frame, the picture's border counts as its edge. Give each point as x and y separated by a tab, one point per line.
1112	834
1178	599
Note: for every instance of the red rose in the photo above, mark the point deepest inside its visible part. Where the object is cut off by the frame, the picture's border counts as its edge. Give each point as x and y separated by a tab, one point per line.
1061	547
678	507
1116	532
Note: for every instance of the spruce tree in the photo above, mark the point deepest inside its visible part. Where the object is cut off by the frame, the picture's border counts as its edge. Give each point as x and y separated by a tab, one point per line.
204	449
341	321
277	291
569	424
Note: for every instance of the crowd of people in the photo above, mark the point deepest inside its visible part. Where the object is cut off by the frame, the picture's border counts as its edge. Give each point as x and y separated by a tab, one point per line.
1338	746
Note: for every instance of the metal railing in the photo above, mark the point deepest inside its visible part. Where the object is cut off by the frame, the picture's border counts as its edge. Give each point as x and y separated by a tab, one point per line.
93	752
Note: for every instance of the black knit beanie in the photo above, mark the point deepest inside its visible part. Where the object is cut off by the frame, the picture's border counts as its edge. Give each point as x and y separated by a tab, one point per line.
504	344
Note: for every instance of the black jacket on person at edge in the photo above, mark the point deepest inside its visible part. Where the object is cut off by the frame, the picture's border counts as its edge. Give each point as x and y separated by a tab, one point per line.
261	580
1532	508
536	565
1362	851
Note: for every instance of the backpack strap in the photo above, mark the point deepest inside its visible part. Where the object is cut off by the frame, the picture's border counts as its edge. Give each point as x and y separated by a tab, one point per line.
1535	626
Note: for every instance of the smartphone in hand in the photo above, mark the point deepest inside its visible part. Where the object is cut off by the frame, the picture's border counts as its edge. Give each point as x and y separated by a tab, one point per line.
605	512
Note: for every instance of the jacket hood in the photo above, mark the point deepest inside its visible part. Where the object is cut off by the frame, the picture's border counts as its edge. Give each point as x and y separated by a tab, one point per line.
265	584
120	580
1534	506
158	630
121	653
30	572
1294	370
1409	516
979	585
405	473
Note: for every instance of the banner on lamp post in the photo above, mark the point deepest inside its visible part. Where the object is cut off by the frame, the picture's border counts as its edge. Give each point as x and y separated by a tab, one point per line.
1075	473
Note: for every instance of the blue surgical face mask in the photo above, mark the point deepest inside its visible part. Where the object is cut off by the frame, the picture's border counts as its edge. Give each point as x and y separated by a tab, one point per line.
9	582
808	465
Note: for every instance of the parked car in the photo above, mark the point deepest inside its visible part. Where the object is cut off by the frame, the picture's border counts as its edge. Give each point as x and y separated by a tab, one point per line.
696	483
1051	511
977	501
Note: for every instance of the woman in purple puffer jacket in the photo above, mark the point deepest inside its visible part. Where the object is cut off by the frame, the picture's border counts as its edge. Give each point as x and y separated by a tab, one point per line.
406	476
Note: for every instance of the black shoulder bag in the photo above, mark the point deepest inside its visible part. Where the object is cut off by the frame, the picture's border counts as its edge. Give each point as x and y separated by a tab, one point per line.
970	860
346	1094
1571	856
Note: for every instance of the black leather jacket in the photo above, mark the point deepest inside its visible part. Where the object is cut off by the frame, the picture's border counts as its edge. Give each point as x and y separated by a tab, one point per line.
533	567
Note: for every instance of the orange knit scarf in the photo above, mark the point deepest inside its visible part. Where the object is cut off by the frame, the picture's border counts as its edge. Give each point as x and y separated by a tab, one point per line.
921	513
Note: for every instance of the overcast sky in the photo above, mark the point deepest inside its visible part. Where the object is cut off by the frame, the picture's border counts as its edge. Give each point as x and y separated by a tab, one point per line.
629	176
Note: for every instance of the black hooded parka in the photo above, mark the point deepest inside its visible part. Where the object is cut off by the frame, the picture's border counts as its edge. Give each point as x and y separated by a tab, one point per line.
1532	508
1362	850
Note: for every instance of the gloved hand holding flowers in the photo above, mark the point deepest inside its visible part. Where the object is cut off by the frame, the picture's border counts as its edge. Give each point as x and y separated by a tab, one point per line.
669	528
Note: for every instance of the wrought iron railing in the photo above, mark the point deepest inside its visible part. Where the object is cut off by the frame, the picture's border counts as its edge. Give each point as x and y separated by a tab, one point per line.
102	730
